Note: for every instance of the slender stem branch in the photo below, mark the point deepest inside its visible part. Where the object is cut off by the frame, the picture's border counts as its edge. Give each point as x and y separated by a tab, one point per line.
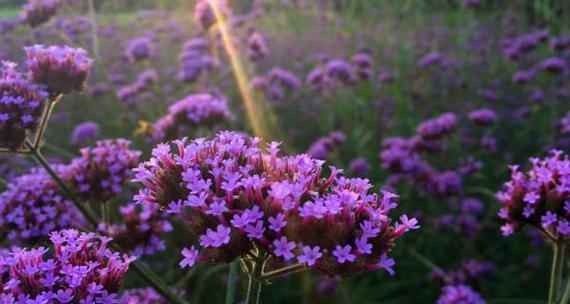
423	259
94	29
255	283
156	283
278	273
232	278
87	212
566	294
45	119
556	272
150	277
105	213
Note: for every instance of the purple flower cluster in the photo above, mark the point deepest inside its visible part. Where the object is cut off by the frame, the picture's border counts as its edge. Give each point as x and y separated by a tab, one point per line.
276	83
467	220
32	207
564	124
484	117
360	167
204	14
81	269
336	72
84	132
323	147
403	158
455	284
37	12
195	110
140	48
363	65
540	197
129	94
194	60
21	106
140	230
435	59
141	296
233	195
99	174
62	69
437	127
515	48
256	46
459	294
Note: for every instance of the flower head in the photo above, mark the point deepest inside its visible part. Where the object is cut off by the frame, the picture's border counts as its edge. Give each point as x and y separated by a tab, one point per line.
62	69
21	106
285	206
538	197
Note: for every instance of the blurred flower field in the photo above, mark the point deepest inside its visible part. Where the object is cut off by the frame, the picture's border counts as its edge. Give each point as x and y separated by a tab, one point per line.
284	151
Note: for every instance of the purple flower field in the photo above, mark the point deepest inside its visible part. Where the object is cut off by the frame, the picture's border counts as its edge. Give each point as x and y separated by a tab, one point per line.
284	151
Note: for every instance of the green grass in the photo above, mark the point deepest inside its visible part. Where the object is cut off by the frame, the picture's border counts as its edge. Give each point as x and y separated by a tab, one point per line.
9	13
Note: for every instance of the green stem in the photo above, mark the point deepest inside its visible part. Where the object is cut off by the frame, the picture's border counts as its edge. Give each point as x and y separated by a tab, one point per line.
556	272
275	274
156	283
94	34
45	118
423	259
105	213
87	212
566	295
255	283
232	278
150	277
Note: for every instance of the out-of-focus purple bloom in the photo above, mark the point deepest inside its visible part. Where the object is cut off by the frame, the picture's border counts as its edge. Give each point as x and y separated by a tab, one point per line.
437	127
565	124
142	296
522	77
140	231
194	110
360	167
37	12
21	106
434	59
61	68
84	132
459	294
100	172
363	65
204	13
194	60
32	207
554	65
140	48
256	46
483	117
560	43
323	147
131	94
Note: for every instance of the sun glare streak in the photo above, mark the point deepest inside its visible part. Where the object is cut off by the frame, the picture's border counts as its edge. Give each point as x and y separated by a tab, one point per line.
260	117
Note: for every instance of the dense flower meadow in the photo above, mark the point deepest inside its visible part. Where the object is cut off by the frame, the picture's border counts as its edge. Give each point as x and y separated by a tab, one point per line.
218	151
